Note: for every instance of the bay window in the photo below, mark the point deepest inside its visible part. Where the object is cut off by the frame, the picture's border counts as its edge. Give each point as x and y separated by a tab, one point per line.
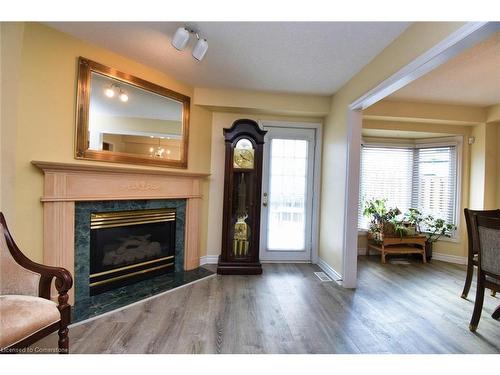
423	175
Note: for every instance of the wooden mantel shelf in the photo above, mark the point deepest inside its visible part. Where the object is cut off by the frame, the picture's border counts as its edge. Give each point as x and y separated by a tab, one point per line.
68	183
78	167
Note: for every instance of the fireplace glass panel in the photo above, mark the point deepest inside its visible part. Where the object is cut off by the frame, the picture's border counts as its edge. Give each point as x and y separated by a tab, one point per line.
129	246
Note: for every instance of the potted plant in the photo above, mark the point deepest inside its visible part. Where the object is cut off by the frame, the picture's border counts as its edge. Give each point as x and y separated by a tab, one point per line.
435	229
383	220
413	217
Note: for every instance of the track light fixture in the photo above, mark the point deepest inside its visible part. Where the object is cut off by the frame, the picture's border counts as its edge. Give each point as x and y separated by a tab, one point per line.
181	39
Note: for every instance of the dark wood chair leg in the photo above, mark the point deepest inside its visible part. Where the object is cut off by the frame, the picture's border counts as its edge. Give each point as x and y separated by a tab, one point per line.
468	278
496	313
478	304
65	310
63	343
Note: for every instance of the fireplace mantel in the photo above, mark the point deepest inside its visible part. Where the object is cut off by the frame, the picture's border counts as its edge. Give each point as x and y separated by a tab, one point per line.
67	183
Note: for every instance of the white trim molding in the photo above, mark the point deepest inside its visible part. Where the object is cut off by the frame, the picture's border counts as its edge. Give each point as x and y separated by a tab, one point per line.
334	275
209	259
318	127
449	258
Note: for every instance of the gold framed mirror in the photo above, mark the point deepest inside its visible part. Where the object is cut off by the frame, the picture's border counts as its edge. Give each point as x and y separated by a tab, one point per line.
125	119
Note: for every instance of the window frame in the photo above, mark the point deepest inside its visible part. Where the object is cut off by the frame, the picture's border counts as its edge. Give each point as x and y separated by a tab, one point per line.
456	141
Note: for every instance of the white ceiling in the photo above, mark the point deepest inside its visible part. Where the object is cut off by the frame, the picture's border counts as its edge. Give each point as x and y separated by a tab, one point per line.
294	57
471	78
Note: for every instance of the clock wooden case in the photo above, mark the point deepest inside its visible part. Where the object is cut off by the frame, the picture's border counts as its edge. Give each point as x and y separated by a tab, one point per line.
242	190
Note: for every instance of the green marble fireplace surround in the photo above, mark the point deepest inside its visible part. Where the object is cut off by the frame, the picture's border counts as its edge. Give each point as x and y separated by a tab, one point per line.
87	306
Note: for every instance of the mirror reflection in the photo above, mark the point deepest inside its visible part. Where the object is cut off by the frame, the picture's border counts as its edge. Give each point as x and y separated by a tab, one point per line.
127	119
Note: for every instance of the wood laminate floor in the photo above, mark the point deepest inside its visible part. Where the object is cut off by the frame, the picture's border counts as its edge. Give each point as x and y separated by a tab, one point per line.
396	308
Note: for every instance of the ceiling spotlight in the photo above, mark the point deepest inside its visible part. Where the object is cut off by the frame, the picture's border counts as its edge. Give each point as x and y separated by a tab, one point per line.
181	38
123	97
109	91
200	49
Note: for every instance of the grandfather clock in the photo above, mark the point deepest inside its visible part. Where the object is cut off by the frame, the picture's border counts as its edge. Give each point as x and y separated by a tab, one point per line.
242	189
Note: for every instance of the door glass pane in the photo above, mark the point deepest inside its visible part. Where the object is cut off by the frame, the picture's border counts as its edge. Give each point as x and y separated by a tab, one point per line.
287	195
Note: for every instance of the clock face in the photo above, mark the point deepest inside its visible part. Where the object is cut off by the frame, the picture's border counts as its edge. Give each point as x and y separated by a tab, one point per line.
243	154
243	158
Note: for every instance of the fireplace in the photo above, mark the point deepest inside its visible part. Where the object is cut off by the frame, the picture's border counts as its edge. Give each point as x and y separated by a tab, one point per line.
129	246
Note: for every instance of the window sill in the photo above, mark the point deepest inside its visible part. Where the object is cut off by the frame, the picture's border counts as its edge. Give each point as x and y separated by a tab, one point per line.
449	239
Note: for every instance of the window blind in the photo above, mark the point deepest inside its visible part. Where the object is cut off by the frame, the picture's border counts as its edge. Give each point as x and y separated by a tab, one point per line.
386	172
435	181
423	177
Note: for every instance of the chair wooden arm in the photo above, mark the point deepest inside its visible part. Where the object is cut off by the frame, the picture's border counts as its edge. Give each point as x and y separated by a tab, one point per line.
63	282
63	279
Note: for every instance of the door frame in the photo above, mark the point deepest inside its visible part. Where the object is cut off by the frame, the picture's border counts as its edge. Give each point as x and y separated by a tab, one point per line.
318	147
465	37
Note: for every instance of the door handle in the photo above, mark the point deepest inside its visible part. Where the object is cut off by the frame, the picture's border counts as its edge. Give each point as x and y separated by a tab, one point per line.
264	200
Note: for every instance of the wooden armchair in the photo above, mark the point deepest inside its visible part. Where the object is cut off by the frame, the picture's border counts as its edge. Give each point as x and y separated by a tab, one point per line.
486	232
472	258
26	311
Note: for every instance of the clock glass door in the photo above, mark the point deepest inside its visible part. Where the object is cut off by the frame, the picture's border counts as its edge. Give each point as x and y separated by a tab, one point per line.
287	194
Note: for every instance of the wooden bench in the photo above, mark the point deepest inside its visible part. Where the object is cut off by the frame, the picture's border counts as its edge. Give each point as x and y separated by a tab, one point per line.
398	245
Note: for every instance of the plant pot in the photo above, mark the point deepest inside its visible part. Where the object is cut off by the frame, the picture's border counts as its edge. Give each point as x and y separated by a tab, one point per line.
428	250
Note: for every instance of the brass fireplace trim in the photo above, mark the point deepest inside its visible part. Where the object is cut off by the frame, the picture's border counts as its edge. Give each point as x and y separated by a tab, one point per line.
114	270
135	217
130	274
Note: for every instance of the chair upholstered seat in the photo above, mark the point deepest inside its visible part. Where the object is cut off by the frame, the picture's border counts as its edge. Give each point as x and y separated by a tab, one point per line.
21	316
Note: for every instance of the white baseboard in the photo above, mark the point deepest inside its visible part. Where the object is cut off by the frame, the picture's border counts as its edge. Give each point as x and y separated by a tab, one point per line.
449	258
209	259
361	250
329	271
283	261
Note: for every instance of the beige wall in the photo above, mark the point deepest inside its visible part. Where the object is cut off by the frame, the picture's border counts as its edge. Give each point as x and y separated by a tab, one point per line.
11	44
42	124
497	177
485	160
425	113
1	122
478	167
493	187
490	160
493	113
417	39
240	101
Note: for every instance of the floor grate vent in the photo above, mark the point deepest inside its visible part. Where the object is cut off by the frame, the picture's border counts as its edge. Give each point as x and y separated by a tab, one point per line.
322	276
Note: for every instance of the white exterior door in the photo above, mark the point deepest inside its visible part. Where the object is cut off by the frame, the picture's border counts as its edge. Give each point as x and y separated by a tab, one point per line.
287	194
